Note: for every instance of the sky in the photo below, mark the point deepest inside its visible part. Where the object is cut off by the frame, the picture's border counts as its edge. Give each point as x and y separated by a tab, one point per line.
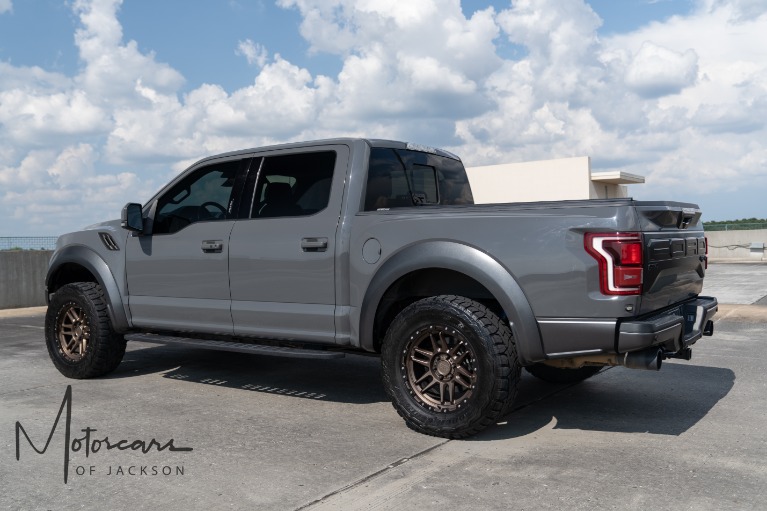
103	101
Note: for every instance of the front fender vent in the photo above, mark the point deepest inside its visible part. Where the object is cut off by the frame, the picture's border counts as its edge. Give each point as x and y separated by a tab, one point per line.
108	241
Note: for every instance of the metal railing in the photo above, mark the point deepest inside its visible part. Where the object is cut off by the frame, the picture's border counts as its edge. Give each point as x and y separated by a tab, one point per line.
28	242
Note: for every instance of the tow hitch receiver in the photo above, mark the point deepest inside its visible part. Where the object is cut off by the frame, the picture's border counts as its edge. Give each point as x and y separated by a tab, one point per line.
685	354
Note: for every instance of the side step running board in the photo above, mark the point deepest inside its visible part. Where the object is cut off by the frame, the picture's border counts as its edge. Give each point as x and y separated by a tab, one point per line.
240	347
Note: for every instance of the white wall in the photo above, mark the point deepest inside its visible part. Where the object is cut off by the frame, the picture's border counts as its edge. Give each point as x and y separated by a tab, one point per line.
607	190
546	180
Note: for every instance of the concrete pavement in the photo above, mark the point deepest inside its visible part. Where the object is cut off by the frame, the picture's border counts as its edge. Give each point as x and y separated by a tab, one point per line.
744	283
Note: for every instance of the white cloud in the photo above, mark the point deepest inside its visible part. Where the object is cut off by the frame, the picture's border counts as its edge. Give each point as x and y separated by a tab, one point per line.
6	6
683	101
254	53
73	165
53	192
393	56
656	71
38	118
111	67
737	10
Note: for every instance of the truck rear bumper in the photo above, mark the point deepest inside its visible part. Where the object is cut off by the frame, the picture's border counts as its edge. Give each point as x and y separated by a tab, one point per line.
673	330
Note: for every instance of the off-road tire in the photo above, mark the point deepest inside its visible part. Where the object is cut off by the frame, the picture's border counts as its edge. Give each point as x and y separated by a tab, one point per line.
457	342
562	374
80	339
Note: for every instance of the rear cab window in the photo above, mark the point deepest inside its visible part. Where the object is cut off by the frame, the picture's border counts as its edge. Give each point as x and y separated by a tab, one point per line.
407	177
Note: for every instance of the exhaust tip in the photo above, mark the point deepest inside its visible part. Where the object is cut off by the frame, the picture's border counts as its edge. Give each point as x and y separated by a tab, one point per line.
650	359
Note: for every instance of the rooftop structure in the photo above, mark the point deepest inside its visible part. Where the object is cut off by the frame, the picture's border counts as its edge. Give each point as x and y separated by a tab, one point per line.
547	180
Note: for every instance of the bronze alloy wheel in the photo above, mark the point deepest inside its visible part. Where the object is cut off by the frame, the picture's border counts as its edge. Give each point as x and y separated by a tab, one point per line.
449	365
73	332
440	367
78	332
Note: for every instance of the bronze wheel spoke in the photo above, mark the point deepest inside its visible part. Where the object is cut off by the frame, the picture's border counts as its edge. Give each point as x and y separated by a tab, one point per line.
433	343
423	377
439	368
73	332
430	385
463	372
426	353
458	361
460	381
443	343
71	315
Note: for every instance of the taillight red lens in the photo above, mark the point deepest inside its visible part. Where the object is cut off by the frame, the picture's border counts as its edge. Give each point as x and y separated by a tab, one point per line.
631	253
620	257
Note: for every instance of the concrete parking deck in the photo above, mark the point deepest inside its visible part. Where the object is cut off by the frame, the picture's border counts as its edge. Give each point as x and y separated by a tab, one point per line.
286	434
744	283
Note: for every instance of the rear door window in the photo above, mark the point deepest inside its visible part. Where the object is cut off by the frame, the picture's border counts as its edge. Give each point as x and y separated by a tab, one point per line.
293	184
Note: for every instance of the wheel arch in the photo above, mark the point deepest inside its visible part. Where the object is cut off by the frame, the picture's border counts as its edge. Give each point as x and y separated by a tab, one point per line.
78	263
445	267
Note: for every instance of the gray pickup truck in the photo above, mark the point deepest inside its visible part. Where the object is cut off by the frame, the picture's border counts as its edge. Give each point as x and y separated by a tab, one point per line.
322	248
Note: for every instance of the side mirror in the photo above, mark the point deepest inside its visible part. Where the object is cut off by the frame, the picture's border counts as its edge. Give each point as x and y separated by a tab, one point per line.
131	218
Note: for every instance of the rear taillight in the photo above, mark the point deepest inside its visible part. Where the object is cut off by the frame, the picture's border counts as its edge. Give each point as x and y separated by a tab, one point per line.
619	255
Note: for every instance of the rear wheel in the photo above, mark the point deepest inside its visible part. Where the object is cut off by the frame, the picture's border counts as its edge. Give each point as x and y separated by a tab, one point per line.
78	333
562	374
449	366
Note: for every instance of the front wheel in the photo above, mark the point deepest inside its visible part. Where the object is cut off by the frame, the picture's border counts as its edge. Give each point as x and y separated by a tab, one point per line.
78	333
449	366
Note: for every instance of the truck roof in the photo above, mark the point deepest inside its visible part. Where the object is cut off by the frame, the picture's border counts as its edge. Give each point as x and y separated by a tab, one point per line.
372	142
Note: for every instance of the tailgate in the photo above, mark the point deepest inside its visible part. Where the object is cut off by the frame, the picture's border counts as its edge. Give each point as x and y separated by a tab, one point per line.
675	253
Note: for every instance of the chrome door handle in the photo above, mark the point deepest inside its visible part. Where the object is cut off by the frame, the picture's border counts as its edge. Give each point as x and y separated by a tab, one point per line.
212	246
314	244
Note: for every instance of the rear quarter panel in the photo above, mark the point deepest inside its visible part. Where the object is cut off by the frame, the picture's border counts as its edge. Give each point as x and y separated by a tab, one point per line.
540	245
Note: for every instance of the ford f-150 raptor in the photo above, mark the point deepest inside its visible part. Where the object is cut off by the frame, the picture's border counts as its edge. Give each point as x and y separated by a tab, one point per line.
352	245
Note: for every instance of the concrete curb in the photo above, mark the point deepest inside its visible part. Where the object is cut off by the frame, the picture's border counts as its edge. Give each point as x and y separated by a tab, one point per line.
750	313
23	312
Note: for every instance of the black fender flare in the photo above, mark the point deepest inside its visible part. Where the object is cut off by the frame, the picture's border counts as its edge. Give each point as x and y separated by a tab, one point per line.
473	263
91	261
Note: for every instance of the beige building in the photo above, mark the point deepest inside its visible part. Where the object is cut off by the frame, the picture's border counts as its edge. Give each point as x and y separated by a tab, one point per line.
561	179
